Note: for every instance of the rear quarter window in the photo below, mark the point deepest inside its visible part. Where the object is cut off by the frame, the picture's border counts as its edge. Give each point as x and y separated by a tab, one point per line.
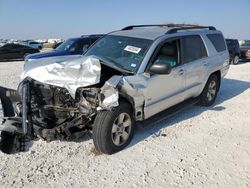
217	41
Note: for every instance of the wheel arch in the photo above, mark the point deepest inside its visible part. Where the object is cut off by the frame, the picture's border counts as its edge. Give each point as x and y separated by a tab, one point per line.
218	75
137	111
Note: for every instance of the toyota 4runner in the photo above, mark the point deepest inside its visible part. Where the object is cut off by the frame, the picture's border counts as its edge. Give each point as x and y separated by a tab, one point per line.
125	77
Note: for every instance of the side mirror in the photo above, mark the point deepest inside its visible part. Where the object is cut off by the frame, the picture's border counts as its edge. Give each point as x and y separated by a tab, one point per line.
161	68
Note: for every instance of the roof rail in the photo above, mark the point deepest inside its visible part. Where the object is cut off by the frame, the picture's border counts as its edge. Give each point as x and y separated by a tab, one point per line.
137	26
93	35
176	27
175	30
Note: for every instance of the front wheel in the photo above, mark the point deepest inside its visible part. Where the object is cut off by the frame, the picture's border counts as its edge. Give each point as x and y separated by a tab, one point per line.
210	91
113	130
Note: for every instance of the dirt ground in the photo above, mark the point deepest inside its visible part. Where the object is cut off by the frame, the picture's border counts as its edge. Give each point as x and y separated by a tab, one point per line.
200	147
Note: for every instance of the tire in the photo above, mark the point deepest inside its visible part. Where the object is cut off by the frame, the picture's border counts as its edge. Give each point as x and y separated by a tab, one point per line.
209	93
109	131
236	60
9	143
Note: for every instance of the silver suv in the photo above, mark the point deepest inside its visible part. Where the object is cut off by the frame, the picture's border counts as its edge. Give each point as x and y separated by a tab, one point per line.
125	77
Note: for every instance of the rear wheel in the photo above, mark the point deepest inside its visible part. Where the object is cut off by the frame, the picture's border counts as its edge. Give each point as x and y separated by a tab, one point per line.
210	91
236	60
113	130
9	143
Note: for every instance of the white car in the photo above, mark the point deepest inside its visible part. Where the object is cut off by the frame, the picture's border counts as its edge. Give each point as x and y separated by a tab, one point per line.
33	44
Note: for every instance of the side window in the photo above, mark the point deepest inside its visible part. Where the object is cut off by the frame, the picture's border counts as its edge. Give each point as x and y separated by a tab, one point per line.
81	45
168	54
93	40
12	46
218	42
17	46
6	46
193	48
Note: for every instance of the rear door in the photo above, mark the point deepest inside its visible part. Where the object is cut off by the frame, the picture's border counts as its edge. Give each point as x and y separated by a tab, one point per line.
194	56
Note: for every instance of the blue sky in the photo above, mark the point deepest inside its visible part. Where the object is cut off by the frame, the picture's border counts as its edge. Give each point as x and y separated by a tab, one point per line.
27	19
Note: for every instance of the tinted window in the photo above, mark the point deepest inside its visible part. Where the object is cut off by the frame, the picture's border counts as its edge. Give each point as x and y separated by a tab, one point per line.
193	48
6	46
94	39
11	46
65	45
81	45
246	43
16	46
34	43
218	42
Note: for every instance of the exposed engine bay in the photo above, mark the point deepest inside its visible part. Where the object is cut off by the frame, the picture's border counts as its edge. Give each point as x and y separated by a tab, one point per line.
56	115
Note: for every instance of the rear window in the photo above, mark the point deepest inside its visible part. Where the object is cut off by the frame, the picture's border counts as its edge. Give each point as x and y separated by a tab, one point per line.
218	42
34	43
193	48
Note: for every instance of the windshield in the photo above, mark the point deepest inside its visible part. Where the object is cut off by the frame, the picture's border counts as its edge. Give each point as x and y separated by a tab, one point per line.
65	45
246	43
124	52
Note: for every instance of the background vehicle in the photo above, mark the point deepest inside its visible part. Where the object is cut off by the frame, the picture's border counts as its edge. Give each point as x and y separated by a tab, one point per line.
72	46
245	50
33	44
15	51
234	50
126	76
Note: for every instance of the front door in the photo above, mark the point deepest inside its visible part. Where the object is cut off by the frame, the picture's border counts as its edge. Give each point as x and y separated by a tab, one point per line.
166	90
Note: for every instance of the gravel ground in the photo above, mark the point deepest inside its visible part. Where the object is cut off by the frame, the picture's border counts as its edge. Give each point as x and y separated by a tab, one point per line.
200	147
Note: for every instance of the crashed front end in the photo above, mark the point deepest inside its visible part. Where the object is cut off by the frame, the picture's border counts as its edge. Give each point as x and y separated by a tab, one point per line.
53	113
60	99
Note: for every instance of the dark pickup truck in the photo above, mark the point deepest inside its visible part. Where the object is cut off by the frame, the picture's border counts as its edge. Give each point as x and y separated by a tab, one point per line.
234	50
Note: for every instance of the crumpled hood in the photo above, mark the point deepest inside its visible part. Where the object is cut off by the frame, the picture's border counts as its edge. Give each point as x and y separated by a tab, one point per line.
67	72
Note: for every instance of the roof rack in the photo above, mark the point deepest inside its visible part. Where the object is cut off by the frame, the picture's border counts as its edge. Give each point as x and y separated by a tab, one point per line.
175	30
93	35
175	27
138	26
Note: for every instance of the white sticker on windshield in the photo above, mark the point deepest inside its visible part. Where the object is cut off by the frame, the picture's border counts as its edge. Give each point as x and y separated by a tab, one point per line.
133	65
132	49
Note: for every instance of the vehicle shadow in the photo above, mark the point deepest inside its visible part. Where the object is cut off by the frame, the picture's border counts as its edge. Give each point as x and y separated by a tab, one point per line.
230	88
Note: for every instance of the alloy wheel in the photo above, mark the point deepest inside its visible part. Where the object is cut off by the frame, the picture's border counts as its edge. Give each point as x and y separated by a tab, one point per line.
121	129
